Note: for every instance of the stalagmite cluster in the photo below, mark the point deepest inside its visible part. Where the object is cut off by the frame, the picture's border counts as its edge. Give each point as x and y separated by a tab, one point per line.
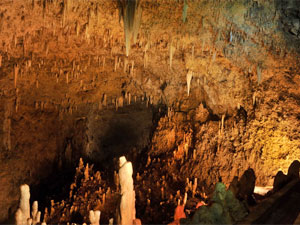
22	216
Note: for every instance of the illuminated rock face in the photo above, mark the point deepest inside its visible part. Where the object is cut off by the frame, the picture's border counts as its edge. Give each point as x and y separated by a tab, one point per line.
63	64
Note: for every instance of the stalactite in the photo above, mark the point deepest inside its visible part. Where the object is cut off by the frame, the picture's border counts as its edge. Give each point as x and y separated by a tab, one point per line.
258	71
184	11
103	62
116	63
222	123
130	11
189	77
193	52
132	68
214	56
16	73
67	78
172	50
145	59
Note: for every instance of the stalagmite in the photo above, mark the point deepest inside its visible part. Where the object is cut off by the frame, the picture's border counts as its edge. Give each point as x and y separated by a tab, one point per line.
52	210
127	205
24	201
189	77
94	217
23	213
35	214
19	217
194	187
185	199
129	99
125	64
116	104
86	172
121	101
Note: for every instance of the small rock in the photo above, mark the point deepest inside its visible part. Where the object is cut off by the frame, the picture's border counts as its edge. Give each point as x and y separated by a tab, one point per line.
293	172
279	181
247	185
201	114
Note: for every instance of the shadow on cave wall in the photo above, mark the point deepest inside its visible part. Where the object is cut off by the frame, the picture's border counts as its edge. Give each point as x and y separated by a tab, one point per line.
114	133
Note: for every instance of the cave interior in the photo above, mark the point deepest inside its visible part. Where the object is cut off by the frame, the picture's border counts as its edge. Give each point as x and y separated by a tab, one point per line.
149	112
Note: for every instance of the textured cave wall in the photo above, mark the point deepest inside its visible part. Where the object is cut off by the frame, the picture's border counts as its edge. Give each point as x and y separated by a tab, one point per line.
61	59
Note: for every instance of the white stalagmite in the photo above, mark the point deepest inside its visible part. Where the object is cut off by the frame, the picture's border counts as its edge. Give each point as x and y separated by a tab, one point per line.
23	212
24	201
94	217
36	215
19	217
127	205
189	77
